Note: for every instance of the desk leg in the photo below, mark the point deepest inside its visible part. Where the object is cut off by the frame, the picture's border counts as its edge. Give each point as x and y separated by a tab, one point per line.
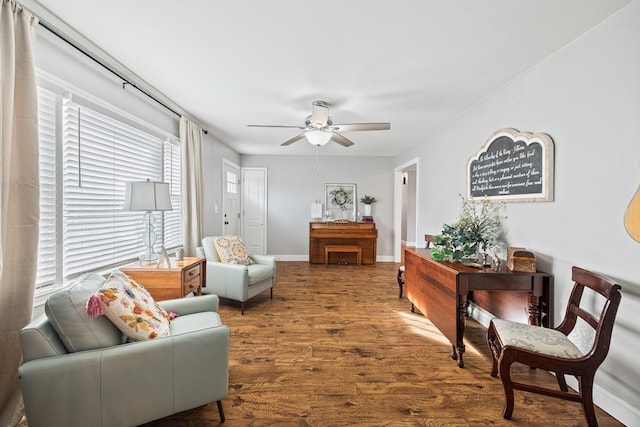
462	318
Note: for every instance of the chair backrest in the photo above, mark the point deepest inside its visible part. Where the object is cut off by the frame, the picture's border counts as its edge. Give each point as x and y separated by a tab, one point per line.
428	238
209	249
603	325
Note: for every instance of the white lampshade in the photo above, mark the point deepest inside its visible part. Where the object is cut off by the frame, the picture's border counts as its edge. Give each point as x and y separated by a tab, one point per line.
318	136
147	196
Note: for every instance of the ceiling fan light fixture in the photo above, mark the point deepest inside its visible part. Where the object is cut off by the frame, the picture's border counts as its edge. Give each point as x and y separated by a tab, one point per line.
317	137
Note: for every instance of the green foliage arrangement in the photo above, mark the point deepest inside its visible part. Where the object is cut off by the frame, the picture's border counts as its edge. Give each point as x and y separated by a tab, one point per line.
477	228
368	200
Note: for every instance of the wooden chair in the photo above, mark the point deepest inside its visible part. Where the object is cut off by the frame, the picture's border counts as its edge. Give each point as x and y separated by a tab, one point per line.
428	238
551	350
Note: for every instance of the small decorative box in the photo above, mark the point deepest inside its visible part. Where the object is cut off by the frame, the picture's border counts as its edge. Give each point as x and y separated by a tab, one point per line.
520	259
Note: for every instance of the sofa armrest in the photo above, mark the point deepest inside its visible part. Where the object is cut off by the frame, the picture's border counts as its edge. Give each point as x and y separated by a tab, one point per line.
191	305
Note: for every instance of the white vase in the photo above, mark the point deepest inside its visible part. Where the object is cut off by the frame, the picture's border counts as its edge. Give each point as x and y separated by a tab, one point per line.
367	210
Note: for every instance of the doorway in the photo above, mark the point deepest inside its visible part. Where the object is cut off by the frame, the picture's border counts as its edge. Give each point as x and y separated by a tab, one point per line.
406	179
254	210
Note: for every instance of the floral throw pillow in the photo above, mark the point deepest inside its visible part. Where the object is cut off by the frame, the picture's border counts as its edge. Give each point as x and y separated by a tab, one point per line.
231	250
130	307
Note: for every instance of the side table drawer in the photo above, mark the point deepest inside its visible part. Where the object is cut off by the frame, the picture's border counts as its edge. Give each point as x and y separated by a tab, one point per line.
191	273
191	286
191	280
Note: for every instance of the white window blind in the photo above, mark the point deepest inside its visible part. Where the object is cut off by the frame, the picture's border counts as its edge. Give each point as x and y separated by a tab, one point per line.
47	252
172	218
83	225
100	155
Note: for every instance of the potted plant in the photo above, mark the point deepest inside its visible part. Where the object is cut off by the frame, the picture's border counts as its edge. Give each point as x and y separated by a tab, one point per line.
476	231
367	201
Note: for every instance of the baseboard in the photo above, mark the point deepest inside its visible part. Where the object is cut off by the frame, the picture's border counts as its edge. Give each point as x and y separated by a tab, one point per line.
480	315
614	406
383	258
292	257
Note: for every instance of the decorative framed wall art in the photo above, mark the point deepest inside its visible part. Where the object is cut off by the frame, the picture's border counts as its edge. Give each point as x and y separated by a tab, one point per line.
512	166
340	201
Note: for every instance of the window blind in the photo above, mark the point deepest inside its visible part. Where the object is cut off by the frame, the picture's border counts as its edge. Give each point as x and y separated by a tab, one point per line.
86	158
47	250
173	218
100	155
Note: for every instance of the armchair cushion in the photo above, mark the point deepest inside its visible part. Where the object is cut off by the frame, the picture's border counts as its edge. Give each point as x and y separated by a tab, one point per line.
231	250
132	309
66	312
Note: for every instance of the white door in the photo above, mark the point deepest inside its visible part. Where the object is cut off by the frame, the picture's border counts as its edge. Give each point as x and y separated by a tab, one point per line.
254	206
231	200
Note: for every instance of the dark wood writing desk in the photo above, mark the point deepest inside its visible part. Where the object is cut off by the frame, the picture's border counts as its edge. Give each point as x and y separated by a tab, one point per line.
442	291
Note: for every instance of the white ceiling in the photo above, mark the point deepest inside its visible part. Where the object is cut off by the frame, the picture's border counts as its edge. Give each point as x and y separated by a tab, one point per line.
413	63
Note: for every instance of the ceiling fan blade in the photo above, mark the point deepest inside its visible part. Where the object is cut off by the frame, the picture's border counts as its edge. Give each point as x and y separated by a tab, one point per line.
319	113
275	126
336	137
361	126
294	139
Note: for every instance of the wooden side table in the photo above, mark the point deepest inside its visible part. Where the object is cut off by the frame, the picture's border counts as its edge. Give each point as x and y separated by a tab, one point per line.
173	282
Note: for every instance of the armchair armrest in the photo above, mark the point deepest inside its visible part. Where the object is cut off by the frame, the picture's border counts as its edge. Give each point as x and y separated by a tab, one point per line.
264	260
185	306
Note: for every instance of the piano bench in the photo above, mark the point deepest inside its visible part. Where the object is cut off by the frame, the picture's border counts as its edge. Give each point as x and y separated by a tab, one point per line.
342	248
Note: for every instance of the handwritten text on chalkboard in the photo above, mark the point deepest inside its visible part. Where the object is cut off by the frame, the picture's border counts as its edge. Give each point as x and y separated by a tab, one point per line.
512	166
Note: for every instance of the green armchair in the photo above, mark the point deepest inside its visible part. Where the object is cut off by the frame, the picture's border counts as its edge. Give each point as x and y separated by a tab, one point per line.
235	281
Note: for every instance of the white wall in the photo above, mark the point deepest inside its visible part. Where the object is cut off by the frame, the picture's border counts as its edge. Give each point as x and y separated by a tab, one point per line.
587	98
294	183
58	59
214	153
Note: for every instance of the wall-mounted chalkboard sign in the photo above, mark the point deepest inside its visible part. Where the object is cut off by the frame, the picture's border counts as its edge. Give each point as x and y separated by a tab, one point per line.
512	166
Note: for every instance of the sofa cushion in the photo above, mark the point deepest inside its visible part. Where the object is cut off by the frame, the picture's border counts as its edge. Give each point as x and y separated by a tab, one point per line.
66	312
132	309
231	250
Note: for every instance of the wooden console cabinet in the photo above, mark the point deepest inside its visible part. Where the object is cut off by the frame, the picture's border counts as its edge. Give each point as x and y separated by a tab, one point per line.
342	233
173	282
442	291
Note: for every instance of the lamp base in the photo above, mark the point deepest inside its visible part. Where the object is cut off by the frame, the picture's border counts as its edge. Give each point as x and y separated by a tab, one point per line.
149	259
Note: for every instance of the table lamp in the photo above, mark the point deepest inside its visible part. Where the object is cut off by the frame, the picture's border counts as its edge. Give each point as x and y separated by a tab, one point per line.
148	196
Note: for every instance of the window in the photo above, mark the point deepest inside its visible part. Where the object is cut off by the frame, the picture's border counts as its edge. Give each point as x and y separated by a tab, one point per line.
232	183
86	157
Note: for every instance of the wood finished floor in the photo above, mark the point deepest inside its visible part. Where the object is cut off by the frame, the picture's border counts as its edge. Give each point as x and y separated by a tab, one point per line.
337	347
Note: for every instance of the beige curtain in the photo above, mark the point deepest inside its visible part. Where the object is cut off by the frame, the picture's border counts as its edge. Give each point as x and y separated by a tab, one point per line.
191	185
19	196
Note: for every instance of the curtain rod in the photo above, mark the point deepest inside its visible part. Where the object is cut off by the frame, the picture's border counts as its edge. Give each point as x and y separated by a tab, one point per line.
125	81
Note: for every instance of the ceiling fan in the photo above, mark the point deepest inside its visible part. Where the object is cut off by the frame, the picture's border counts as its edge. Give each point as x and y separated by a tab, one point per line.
319	129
